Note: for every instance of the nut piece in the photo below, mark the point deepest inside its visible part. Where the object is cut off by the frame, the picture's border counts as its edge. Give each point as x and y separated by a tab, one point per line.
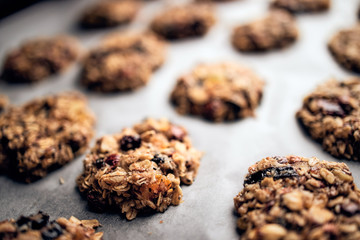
293	200
272	232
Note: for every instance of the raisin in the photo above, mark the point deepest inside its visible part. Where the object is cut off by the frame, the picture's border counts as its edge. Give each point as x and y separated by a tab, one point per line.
330	108
276	173
53	232
158	159
349	209
99	163
113	160
130	142
39	221
22	221
177	133
213	109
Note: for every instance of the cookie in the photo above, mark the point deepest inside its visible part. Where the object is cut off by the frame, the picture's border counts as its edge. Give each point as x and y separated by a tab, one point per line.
139	169
106	70
345	48
193	20
331	115
4	101
277	30
43	135
218	92
298	198
37	59
147	45
109	13
299	6
39	226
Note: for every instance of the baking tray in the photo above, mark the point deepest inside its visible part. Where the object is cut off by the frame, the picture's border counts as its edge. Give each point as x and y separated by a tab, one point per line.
207	211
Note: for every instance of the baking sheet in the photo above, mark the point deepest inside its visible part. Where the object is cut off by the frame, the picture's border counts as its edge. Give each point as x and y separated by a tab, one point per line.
207	211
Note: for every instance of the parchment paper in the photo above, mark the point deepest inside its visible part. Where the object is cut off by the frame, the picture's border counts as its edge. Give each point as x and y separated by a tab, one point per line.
207	211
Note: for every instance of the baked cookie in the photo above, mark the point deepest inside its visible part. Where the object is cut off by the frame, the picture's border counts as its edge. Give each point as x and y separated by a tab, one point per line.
147	45
298	6
109	13
192	20
4	101
218	92
139	169
277	30
345	47
39	226
43	135
37	59
331	115
298	198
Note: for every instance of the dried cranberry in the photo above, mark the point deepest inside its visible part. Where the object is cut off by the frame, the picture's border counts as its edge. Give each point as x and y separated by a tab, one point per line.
130	142
99	163
349	208
177	133
213	109
113	160
158	159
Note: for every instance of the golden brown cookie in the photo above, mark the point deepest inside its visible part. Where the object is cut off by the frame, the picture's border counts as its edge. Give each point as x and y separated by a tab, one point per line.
299	6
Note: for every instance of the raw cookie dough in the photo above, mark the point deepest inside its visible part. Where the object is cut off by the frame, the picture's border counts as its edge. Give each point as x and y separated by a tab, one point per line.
44	134
277	30
192	20
218	92
139	169
345	48
331	116
37	59
298	6
286	198
39	226
109	13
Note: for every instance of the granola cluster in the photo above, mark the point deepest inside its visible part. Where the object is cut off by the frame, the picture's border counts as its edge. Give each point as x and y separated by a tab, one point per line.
109	13
218	92
39	226
345	48
331	115
44	134
296	6
277	30
185	21
40	58
290	198
4	101
140	168
123	62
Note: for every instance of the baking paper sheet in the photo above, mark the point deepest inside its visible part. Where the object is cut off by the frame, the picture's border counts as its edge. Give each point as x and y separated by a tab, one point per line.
207	210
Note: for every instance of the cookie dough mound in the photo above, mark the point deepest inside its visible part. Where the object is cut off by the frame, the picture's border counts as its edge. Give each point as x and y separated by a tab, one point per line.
298	6
109	13
331	116
37	59
44	135
345	48
147	45
140	168
39	226
4	101
218	92
298	198
277	30
186	21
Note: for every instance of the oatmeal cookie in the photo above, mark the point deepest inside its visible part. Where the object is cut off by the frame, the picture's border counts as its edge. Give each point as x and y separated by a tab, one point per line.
43	135
39	226
37	59
298	198
345	47
109	13
277	30
147	45
186	21
139	169
297	6
4	101
331	115
218	92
